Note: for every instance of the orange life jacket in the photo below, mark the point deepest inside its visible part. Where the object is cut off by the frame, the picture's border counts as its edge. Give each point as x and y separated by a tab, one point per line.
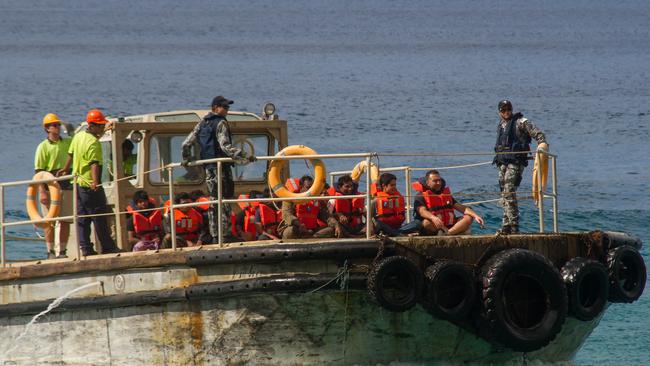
441	205
270	218
391	209
188	225
307	213
249	221
205	206
352	208
293	185
146	227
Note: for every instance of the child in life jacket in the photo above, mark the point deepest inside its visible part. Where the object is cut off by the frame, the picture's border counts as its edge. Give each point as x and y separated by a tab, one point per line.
389	208
267	218
348	213
434	207
143	225
188	222
305	219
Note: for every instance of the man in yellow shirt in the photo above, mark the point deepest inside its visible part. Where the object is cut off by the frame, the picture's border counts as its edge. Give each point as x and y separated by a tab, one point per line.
85	156
51	156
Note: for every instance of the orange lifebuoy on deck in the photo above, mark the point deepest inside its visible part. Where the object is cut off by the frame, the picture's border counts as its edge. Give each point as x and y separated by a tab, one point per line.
31	201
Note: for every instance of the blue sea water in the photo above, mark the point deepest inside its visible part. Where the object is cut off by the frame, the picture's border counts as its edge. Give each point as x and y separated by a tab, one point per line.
390	76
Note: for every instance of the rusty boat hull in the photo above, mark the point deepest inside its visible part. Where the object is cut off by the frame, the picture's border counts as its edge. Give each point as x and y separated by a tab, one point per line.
293	303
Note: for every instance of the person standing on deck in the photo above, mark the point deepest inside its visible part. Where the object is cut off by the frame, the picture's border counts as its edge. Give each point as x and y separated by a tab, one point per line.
514	133
51	155
85	156
215	140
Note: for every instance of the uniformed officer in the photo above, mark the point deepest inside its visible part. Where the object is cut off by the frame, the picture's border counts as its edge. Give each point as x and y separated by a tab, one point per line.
514	133
215	140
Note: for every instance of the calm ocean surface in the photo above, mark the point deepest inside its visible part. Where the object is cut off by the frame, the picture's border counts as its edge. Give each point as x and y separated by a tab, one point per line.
390	76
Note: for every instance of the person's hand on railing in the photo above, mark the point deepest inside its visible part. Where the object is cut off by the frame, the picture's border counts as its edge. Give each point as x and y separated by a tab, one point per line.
61	172
252	159
185	162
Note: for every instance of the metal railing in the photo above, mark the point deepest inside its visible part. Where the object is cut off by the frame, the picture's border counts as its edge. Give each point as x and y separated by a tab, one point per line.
220	201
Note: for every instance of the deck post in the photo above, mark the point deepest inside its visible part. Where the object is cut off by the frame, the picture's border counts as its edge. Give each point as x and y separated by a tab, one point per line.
554	171
368	199
75	219
540	192
407	177
172	221
2	223
220	201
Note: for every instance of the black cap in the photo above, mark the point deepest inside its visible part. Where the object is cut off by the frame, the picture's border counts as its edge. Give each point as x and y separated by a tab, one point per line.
220	101
505	103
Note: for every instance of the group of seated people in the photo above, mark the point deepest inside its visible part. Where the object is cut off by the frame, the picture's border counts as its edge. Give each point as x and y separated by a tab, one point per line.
434	211
149	226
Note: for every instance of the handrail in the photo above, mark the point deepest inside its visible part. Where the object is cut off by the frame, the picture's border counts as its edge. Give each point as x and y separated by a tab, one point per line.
219	161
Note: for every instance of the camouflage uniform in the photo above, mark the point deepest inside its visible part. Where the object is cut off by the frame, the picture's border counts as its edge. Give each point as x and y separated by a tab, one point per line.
224	149
512	166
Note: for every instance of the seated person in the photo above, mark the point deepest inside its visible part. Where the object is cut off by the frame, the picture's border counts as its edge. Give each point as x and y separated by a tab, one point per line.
305	219
348	213
188	222
434	207
388	208
144	228
129	159
267	218
245	224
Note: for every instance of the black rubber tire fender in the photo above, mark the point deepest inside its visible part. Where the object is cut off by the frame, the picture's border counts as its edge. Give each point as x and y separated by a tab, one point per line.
627	274
523	300
395	283
450	290
587	285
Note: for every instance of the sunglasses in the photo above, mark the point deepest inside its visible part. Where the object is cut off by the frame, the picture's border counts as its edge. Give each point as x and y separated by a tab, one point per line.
505	110
54	125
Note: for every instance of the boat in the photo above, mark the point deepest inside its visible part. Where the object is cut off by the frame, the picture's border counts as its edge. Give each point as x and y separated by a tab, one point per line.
368	300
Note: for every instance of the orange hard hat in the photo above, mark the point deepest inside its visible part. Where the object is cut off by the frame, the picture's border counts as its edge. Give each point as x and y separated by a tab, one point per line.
50	118
96	116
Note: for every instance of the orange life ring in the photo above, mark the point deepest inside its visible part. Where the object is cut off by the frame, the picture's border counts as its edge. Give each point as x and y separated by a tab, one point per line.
31	201
276	167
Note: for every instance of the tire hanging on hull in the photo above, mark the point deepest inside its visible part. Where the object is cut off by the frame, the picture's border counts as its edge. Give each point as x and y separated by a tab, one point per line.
450	290
395	283
587	287
523	300
627	274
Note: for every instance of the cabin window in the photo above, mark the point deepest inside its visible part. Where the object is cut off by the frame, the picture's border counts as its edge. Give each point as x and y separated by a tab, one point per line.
252	144
107	168
184	117
165	149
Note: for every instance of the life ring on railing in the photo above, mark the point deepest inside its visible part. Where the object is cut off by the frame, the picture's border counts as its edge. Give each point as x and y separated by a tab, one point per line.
276	166
587	285
31	201
523	300
627	274
395	283
361	168
450	290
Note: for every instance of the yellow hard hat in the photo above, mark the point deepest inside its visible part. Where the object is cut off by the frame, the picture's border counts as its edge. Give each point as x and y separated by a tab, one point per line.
50	118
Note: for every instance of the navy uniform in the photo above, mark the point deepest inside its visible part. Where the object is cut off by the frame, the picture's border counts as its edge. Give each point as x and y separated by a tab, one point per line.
214	138
513	134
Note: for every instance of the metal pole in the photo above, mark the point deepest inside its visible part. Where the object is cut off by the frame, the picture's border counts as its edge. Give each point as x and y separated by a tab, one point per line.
540	193
409	199
219	208
368	199
2	223
75	219
554	171
331	180
172	221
